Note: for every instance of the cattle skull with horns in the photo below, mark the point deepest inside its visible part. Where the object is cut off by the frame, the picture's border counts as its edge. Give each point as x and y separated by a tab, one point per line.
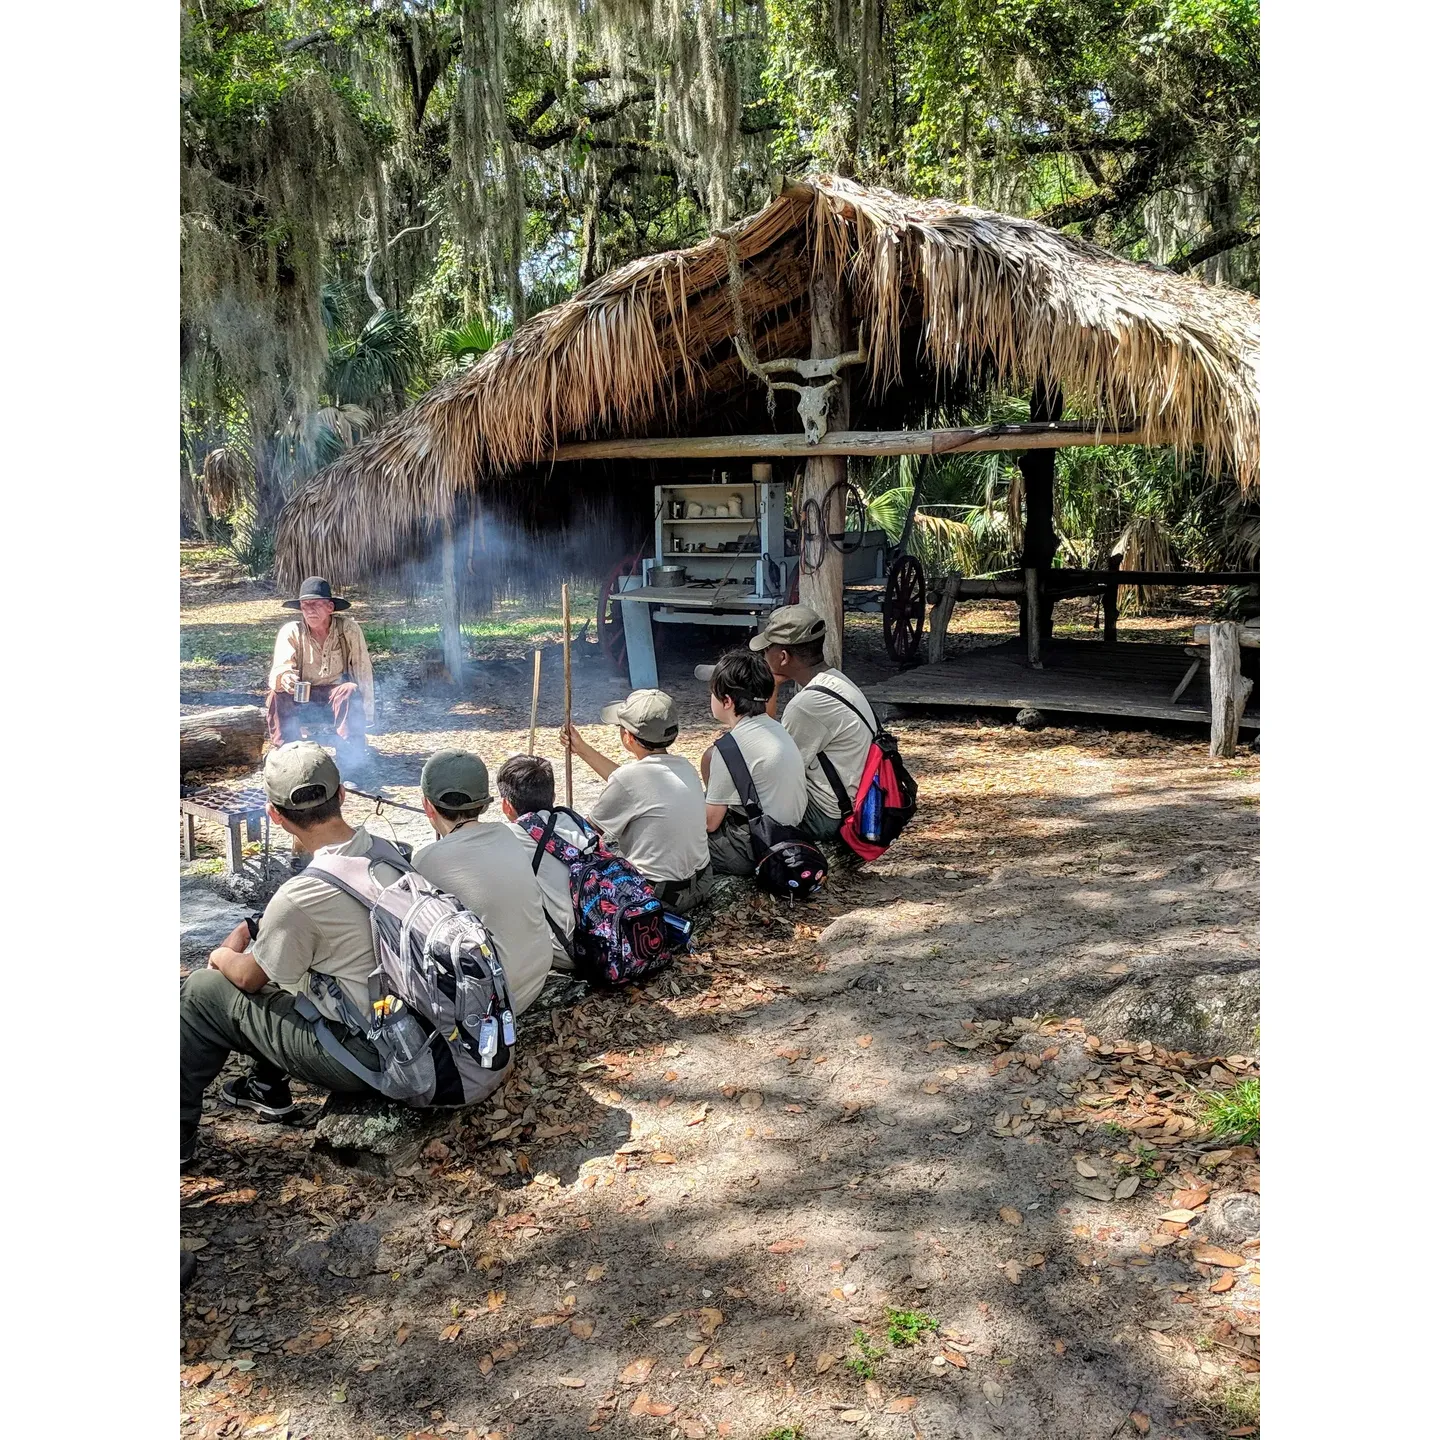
814	399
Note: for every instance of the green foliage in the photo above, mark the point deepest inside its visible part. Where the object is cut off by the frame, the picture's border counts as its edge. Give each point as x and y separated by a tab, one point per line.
863	1364
908	1327
785	1432
1235	1112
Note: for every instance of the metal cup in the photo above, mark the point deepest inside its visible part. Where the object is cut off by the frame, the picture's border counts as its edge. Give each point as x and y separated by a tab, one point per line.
302	692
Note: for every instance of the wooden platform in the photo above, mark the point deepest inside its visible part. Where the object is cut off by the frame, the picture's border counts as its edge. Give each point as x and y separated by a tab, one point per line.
1087	677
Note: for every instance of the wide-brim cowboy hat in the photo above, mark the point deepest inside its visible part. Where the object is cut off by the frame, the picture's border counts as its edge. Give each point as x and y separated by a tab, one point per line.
316	588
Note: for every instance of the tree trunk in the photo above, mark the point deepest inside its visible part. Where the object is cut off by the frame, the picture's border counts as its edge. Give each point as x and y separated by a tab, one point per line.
823	589
228	738
450	637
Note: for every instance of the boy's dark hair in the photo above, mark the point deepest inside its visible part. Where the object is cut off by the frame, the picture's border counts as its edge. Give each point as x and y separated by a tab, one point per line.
314	815
460	812
742	676
808	652
653	747
527	783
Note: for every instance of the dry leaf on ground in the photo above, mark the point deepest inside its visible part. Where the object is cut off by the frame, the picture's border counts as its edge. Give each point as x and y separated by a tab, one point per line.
711	1320
865	1041
1141	1421
638	1371
752	1100
594	1273
824	1362
1127	1187
1214	1255
571	1382
902	1405
1087	1169
1010	1215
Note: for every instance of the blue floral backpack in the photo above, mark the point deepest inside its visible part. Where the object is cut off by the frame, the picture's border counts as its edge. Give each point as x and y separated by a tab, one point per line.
622	934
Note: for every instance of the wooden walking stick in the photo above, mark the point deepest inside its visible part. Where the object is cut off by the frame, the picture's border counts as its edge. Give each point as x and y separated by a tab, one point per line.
569	759
534	703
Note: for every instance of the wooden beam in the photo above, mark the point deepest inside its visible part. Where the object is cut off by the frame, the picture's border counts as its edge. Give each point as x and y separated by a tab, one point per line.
1057	436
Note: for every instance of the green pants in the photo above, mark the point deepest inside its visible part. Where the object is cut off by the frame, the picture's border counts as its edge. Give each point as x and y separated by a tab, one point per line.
817	825
730	852
217	1018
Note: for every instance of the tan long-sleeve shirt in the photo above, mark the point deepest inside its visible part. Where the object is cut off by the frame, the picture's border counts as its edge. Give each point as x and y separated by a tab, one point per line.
299	655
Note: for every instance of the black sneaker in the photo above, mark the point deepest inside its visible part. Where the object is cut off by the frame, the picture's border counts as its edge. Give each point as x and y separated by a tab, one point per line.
189	1140
188	1266
269	1101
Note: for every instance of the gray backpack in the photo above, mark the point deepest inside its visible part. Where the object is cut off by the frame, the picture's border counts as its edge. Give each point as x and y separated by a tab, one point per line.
441	1017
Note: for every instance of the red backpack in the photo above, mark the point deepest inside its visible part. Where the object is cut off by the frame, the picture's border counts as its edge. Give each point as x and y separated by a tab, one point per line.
886	792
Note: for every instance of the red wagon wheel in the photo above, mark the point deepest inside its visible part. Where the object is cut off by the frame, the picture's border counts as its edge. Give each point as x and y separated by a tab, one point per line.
609	622
904	609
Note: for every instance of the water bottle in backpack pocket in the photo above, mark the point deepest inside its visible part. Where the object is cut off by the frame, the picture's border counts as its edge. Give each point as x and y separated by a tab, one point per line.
870	809
406	1061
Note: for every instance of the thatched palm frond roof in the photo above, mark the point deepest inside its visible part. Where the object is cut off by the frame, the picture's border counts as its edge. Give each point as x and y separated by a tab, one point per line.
941	289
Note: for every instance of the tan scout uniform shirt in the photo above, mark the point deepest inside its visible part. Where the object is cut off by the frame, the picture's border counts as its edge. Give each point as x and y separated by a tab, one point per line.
817	724
312	926
485	866
344	652
652	811
775	764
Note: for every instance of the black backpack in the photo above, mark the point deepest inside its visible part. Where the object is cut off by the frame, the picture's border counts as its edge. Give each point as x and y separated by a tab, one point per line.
786	863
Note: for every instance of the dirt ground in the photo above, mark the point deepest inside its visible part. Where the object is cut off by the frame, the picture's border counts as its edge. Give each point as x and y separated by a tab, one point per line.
699	1209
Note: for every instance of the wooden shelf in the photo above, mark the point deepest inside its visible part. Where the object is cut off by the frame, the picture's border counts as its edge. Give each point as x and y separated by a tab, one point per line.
747	521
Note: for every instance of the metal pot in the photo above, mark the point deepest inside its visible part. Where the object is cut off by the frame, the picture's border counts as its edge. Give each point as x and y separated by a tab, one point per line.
667	575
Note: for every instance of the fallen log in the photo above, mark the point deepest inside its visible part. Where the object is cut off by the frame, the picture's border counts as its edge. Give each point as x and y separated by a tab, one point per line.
229	738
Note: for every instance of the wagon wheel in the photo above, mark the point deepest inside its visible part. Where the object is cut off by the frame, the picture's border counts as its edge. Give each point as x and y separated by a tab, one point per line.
904	609
609	623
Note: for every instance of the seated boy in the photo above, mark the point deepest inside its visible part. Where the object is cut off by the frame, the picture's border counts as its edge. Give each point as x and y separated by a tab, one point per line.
526	786
486	867
651	811
741	687
312	940
792	640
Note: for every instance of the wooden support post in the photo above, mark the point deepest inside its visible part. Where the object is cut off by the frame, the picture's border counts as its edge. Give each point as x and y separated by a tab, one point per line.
1111	601
534	703
450	637
189	837
569	759
1037	468
823	588
234	847
1033	602
940	618
1229	689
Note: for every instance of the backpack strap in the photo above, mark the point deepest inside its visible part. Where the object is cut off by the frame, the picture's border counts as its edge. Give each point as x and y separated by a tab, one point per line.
330	1043
842	796
729	750
542	842
854	709
847	807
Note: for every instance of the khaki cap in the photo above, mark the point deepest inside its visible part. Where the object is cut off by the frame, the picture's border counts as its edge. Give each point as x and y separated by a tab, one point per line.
789	625
300	765
648	714
455	779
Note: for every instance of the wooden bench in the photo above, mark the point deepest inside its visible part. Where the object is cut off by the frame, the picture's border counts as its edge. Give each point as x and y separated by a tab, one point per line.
1200	651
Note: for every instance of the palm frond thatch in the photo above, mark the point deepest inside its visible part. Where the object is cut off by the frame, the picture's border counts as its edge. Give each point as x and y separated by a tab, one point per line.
945	292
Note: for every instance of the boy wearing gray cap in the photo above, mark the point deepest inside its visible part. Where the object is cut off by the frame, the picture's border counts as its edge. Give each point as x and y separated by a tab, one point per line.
829	715
486	867
652	810
312	940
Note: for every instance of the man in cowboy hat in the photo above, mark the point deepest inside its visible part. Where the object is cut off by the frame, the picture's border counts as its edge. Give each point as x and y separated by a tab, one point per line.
324	655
